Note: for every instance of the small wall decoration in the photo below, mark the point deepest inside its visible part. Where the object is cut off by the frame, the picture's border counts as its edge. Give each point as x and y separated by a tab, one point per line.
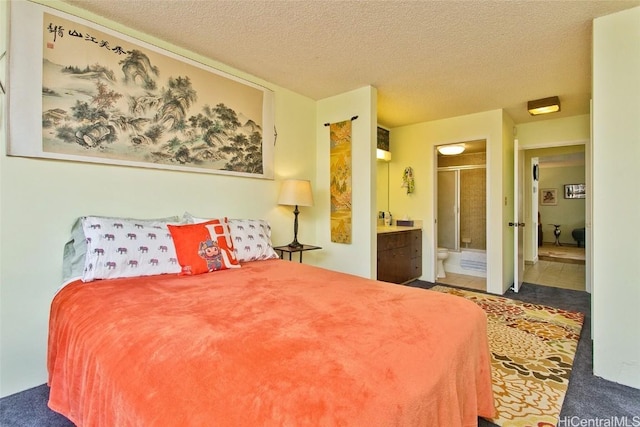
574	191
548	196
408	181
340	175
79	91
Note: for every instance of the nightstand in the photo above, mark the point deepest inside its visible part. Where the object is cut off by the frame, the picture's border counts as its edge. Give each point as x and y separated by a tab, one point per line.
290	250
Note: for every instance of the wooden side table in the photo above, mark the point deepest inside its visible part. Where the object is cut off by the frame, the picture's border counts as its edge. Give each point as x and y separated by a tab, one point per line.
290	250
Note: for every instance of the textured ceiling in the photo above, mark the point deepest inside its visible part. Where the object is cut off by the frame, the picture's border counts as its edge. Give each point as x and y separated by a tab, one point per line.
428	59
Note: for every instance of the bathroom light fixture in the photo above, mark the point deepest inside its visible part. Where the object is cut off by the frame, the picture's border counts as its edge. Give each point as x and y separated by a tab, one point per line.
295	192
383	155
450	150
544	106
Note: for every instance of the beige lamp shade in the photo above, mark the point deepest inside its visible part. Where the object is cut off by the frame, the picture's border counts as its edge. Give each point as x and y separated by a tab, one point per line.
295	192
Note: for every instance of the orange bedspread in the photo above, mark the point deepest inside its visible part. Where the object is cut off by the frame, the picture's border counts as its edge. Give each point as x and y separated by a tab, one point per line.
274	343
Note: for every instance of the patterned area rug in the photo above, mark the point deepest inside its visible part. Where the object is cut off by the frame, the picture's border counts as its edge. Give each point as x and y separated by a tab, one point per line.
532	348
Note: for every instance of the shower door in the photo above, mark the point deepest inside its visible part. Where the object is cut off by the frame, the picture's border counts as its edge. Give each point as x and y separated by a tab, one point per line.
448	209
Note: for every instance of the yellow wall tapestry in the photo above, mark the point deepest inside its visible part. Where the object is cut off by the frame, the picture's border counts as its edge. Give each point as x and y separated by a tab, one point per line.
340	173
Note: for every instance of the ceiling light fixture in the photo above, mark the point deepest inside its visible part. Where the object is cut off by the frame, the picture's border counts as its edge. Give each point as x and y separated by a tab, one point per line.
450	150
544	106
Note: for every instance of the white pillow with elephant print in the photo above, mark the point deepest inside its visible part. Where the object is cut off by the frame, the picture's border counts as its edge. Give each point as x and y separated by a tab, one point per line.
252	239
120	248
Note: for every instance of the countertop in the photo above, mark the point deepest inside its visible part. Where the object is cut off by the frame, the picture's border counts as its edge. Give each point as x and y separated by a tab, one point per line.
395	228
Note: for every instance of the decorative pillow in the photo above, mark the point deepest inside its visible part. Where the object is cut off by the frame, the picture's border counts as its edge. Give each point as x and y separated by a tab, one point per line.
190	219
120	248
75	250
252	239
204	247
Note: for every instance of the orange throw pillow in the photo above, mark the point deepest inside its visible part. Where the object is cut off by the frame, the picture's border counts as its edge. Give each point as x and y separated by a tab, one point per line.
204	247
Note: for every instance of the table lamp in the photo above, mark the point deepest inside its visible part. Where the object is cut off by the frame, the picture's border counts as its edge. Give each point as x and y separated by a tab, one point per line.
295	192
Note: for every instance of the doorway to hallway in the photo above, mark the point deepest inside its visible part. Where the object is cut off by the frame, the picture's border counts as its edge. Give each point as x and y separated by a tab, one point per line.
554	259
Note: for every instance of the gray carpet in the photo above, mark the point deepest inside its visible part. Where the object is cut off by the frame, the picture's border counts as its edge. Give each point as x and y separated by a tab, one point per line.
588	398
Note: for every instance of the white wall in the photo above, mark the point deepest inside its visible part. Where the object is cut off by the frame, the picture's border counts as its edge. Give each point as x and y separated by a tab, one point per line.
506	200
413	146
554	132
39	200
616	200
359	257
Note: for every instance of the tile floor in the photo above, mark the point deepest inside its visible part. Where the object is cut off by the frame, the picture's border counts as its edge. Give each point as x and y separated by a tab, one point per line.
464	281
556	274
547	273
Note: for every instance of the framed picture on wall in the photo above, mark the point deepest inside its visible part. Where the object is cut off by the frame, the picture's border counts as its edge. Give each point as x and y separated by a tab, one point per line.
548	196
574	191
83	92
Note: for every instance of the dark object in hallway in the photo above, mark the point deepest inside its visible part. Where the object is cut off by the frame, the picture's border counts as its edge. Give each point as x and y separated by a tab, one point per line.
556	233
578	236
539	231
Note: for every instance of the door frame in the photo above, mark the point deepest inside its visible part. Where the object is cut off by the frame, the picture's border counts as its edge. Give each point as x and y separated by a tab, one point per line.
518	215
588	200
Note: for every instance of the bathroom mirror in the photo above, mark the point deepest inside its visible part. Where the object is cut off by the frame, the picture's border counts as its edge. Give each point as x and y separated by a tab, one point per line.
382	172
382	186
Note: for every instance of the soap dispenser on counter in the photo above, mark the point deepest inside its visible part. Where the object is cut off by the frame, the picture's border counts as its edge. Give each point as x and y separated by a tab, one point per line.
387	218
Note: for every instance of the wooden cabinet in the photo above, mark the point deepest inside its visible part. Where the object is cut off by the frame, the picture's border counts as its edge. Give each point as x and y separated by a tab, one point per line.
400	256
416	254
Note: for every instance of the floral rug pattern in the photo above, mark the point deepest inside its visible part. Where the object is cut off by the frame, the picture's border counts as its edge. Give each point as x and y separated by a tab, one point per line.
532	348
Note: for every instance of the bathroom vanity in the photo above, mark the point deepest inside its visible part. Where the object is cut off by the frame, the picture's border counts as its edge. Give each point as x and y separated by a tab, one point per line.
399	253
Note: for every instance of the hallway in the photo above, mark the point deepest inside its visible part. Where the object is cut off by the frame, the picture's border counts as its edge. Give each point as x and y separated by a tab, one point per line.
558	266
559	274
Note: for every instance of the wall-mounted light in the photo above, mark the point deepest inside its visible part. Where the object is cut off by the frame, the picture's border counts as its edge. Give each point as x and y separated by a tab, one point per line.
544	106
450	150
383	155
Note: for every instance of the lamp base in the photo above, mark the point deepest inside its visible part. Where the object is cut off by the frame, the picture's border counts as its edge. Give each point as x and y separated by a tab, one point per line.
295	243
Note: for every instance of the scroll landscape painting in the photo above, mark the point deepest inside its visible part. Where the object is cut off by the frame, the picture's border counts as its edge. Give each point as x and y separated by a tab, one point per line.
108	98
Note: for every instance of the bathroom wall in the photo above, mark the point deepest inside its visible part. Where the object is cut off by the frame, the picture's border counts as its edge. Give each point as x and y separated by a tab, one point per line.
413	145
473	208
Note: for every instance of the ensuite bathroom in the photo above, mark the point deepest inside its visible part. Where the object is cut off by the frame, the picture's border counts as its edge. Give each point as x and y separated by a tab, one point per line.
460	196
462	215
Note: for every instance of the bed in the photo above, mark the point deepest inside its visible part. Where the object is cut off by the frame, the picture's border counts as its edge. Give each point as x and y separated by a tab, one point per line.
271	343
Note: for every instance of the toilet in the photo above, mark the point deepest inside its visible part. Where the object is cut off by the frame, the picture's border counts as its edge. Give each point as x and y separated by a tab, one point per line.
443	253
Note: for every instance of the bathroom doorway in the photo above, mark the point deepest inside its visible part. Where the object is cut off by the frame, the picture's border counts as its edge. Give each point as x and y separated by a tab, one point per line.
461	215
